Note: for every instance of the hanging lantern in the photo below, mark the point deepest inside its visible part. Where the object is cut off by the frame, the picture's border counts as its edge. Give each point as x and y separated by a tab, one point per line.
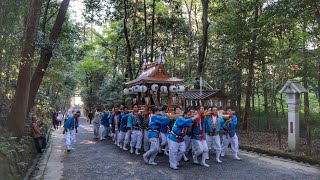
173	88
164	89
136	88
143	88
130	90
126	91
181	88
154	87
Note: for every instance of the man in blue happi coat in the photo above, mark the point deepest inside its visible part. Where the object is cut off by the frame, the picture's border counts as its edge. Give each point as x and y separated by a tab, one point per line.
164	132
198	140
177	146
135	125
104	124
213	124
114	124
230	136
124	134
156	121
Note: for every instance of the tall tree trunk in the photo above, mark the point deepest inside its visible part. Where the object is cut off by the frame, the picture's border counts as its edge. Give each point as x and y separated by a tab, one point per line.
265	90
305	74
145	30
44	20
189	10
46	53
252	54
152	29
319	82
248	89
204	39
281	104
238	91
316	11
19	108
252	96
125	29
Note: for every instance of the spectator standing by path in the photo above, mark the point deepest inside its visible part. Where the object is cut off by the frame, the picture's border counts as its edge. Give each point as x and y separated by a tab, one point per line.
59	118
54	120
90	116
38	136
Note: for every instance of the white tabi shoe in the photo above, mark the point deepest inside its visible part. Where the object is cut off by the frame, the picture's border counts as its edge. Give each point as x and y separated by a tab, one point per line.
137	152
131	150
153	163
166	152
236	157
175	168
124	148
195	160
185	158
203	163
222	154
178	164
145	158
120	146
218	161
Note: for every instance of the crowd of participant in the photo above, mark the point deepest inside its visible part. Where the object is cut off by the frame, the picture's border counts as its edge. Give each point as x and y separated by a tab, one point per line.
156	130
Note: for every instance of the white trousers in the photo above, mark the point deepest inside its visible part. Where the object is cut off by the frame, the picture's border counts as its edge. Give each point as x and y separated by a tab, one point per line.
234	143
124	137
200	147
101	131
115	136
96	127
164	139
146	144
136	139
176	151
215	142
154	149
70	138
187	141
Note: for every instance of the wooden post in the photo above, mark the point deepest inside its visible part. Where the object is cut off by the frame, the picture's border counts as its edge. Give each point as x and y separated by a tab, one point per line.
158	97
169	98
148	95
139	99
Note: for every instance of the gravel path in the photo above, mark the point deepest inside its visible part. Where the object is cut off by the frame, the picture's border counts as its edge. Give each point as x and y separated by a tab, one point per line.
93	159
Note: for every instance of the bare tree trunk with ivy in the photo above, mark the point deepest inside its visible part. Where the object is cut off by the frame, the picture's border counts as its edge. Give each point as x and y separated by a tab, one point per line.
19	108
46	53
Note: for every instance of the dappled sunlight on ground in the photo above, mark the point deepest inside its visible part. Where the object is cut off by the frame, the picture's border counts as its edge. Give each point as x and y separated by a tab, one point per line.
87	142
133	162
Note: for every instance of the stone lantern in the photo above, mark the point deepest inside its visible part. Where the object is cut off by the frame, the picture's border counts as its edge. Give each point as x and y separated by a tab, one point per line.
293	89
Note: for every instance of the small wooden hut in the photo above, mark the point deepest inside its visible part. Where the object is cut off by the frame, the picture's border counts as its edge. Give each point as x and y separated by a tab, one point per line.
208	97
